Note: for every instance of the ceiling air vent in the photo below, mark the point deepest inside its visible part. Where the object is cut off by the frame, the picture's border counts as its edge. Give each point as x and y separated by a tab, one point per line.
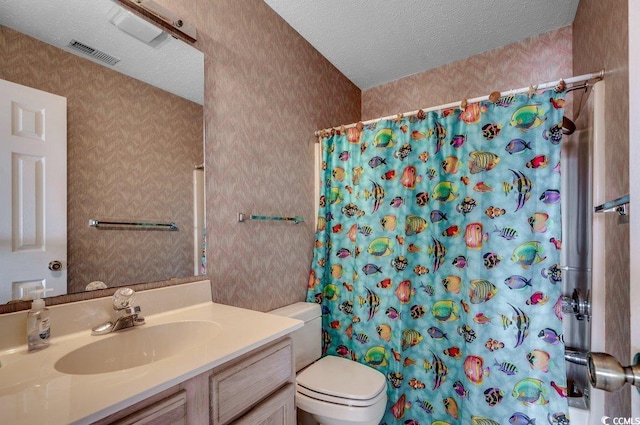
94	53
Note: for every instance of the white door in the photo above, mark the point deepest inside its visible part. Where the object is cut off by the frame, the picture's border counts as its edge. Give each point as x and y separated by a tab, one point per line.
33	191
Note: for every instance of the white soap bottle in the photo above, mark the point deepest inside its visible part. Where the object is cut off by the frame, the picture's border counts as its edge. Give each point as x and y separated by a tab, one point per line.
38	324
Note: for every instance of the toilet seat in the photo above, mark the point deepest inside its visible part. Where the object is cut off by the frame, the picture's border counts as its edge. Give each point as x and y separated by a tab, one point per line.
341	381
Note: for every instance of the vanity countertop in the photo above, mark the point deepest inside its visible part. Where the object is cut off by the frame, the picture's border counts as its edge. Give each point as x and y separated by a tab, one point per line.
32	391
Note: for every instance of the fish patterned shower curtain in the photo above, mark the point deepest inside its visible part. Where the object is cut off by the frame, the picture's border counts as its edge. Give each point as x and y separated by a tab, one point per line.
437	256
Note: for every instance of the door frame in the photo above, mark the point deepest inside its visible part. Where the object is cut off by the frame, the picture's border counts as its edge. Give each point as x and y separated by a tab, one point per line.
634	189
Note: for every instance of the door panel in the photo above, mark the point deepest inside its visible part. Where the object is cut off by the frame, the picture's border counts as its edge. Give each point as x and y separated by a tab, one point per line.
33	188
27	177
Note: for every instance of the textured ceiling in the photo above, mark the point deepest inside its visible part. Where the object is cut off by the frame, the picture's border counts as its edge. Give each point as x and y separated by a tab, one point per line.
376	41
174	66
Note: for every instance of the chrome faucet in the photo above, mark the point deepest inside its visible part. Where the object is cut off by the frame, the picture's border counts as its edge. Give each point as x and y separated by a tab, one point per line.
130	317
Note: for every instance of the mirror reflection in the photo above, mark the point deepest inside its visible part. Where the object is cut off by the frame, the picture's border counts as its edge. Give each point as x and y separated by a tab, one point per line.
132	147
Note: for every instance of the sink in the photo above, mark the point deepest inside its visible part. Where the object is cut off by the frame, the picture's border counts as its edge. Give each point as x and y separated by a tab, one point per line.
137	347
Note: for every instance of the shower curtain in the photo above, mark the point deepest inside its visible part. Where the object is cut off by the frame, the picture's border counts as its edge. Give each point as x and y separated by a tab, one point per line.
436	260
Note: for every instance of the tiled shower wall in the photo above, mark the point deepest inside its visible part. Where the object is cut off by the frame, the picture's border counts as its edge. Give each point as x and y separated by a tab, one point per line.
131	149
600	41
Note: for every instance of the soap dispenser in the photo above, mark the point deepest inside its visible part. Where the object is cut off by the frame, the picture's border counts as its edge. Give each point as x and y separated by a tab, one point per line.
38	324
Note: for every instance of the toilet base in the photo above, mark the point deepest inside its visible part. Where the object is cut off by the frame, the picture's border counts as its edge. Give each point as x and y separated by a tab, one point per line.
332	421
334	414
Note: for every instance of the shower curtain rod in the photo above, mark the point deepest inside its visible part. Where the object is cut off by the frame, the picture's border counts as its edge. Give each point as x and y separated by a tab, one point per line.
578	79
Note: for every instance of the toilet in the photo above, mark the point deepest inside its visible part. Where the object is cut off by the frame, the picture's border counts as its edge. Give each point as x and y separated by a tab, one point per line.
333	390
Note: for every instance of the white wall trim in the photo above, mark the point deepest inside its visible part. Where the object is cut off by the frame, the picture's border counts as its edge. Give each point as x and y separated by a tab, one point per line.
634	186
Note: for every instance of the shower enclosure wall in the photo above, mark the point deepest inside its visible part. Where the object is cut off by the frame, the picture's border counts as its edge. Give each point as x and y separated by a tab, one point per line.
583	301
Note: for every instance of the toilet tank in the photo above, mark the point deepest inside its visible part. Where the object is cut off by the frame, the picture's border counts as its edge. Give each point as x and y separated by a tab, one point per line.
306	340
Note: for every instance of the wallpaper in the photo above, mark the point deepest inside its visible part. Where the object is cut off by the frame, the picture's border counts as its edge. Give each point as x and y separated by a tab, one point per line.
600	41
539	59
266	91
131	152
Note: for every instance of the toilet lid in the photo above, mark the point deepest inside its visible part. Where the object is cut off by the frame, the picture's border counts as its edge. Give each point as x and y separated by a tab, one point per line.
342	378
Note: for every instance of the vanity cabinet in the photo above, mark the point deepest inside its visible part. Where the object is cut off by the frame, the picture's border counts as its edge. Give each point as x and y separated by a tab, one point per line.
280	408
256	388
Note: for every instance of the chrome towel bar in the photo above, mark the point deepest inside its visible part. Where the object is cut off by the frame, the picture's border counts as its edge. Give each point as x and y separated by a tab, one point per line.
133	225
242	217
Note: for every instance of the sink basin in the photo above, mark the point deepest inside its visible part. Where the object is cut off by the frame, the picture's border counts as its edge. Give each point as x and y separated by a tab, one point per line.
136	347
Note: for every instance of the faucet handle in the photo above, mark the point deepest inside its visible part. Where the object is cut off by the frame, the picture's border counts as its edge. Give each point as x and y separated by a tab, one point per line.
123	298
577	305
131	310
137	319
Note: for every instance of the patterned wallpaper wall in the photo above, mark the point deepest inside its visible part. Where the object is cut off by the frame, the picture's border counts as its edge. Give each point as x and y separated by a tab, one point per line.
267	91
539	59
600	41
131	152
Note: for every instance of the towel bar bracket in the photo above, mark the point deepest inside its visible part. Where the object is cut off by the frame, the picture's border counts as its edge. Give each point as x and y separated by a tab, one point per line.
618	205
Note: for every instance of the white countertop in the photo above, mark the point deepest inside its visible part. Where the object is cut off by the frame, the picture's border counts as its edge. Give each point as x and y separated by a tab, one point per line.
32	391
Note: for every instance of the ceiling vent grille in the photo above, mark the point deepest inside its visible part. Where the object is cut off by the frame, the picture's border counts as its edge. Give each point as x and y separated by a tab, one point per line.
94	53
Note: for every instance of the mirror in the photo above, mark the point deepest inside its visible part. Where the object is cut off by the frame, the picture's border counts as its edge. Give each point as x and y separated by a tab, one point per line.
134	136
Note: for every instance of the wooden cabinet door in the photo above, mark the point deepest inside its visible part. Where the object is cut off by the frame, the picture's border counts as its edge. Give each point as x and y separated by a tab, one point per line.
236	387
279	409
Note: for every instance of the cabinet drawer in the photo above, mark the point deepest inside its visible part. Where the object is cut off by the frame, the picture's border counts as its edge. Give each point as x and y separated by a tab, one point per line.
236	388
171	410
